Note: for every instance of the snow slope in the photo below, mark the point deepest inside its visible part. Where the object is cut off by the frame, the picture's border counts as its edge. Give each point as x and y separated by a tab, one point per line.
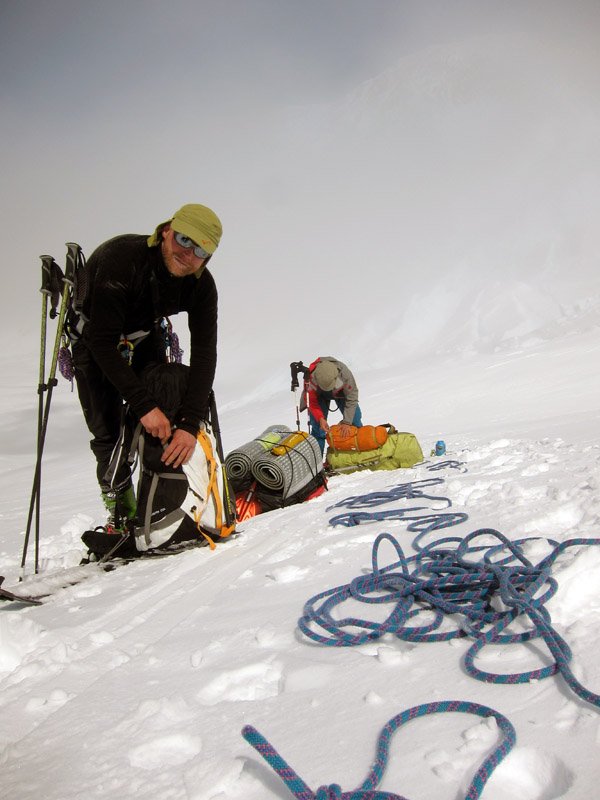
137	683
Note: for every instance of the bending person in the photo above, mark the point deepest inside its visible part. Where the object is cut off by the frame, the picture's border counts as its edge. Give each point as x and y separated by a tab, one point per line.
331	380
133	283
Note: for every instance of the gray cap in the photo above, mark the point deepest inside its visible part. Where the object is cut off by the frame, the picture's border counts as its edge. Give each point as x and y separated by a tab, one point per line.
325	374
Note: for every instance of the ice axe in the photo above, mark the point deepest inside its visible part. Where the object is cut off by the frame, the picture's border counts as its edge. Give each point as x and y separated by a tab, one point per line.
296	368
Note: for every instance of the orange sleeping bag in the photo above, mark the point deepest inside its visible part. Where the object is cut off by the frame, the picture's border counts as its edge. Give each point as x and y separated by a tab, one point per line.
369	437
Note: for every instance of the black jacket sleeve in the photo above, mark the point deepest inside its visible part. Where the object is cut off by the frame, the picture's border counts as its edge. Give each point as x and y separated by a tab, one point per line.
109	306
202	320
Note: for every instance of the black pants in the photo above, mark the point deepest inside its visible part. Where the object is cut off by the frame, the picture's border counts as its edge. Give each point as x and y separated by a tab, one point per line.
102	407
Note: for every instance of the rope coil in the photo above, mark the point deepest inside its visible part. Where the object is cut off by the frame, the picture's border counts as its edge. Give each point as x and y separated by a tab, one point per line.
368	788
488	586
440	582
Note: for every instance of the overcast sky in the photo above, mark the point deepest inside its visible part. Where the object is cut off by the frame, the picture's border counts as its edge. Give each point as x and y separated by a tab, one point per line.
116	113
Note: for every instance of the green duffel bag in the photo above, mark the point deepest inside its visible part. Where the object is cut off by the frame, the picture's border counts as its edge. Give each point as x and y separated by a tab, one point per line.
400	450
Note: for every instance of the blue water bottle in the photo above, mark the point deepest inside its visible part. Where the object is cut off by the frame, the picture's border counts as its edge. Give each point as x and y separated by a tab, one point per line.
440	447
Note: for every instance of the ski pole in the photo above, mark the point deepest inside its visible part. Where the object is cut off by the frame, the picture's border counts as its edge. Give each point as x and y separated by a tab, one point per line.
49	270
50	275
296	367
67	283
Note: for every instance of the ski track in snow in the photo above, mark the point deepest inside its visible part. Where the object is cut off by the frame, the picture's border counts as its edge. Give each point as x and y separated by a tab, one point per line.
169	735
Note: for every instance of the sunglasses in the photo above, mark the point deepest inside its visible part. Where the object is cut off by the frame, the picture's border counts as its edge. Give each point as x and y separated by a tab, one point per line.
185	241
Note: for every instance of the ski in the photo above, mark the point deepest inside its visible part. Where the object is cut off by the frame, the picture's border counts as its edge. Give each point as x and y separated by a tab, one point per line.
35	589
5	594
73	576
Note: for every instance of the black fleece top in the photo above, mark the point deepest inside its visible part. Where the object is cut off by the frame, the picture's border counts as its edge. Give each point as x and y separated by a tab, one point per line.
121	300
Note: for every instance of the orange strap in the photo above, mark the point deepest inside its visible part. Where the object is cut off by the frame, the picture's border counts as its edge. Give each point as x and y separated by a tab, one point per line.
213	489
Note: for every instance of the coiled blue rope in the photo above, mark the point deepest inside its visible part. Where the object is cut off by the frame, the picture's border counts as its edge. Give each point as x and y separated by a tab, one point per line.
424	524
403	491
450	464
466	580
368	788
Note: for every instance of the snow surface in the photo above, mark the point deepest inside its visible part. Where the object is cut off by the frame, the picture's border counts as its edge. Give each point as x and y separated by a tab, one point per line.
469	174
137	683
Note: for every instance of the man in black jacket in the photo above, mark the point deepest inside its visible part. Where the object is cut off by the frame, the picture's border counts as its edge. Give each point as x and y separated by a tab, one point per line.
133	283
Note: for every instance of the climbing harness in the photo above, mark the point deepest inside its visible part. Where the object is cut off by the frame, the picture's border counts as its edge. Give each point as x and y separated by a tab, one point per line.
368	789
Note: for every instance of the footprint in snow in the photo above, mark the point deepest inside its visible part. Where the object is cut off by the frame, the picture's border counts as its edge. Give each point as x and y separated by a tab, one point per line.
309	678
476	739
157	715
288	574
18	637
253	682
504	463
213	779
394	655
470	495
535	469
361	540
526	773
265	635
555	521
165	751
287	551
56	699
500	444
530	774
571	716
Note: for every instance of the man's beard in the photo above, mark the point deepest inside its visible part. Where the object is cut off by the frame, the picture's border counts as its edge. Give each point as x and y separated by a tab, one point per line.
178	269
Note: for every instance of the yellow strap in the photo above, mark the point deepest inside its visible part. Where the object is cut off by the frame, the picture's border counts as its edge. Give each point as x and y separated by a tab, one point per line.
211	543
213	489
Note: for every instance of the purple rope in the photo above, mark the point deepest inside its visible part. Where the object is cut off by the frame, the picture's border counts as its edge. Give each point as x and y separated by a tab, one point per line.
65	364
452	582
176	353
450	576
368	789
403	491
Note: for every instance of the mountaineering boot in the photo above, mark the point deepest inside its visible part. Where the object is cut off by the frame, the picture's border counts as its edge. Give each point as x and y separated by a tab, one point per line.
115	537
121	506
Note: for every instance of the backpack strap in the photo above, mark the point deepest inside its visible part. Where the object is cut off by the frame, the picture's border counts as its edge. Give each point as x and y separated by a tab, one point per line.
118	455
156	476
212	490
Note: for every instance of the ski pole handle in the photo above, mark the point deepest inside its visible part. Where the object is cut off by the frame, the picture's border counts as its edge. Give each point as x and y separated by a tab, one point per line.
47	262
73	258
296	367
52	280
